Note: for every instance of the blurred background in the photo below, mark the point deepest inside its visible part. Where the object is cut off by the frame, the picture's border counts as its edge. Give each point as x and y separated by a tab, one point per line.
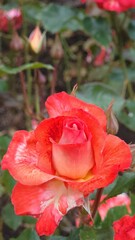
48	47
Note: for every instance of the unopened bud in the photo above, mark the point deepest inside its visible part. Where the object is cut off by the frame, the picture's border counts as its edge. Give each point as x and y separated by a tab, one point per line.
37	40
41	77
112	123
16	42
57	49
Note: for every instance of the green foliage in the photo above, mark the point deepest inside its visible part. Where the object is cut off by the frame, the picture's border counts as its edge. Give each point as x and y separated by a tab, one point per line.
96	234
123	183
29	234
131	29
98	28
7	181
9	217
100	94
4	142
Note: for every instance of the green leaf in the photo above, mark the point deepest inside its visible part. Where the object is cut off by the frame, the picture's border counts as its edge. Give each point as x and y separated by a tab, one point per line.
7	181
35	65
127	114
32	11
131	29
101	95
114	214
89	233
9	217
27	234
132	197
4	142
29	220
122	184
57	238
54	17
98	28
74	234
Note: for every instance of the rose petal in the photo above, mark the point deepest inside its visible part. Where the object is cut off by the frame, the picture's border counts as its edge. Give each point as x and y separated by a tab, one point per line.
50	128
21	160
116	157
97	134
62	102
49	201
116	151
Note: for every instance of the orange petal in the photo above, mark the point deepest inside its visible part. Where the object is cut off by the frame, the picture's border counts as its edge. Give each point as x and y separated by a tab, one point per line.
21	160
62	102
48	202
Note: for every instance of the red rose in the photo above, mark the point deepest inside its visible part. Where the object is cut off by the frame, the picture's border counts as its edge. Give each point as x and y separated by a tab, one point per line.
64	159
11	18
116	5
124	228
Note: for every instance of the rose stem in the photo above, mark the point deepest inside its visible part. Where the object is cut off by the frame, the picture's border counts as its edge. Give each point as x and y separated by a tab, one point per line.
96	202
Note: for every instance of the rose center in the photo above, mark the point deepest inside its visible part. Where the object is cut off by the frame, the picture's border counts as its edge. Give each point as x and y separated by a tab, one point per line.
72	155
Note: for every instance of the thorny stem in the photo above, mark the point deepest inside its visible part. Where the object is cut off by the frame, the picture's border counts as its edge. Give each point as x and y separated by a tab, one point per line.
96	202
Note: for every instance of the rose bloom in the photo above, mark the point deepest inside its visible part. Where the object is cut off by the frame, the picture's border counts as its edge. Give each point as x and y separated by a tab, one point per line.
63	160
114	5
124	228
11	18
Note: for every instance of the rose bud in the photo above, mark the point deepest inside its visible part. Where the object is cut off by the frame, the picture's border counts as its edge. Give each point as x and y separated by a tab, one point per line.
57	49
37	40
16	42
112	123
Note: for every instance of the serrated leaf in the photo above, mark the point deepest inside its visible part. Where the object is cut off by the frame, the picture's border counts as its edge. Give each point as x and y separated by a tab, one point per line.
35	65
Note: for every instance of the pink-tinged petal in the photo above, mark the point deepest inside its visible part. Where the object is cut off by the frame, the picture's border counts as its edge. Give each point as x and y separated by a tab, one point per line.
49	128
21	160
120	200
116	157
98	135
62	102
73	156
116	152
48	221
73	161
49	202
